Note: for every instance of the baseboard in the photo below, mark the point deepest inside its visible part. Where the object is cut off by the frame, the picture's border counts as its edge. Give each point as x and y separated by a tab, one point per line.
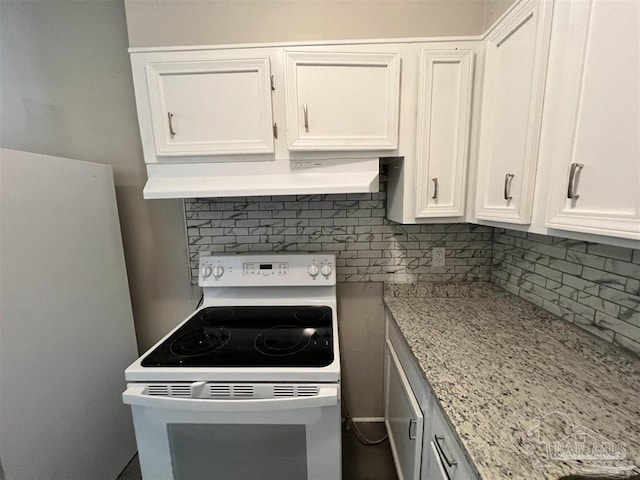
368	419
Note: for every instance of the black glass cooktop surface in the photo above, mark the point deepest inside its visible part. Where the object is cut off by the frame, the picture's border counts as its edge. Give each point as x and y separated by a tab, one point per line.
264	336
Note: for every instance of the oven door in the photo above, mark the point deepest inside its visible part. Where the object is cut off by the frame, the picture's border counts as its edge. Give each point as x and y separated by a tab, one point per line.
260	438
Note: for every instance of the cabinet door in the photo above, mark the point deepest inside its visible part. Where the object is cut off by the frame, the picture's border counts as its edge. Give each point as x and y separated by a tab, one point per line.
403	419
442	149
594	84
342	101
212	107
515	70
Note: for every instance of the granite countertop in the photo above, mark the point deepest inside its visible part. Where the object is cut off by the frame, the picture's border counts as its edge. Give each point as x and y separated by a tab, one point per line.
519	385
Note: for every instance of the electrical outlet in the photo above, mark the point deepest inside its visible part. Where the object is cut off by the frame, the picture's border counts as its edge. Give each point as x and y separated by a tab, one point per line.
437	257
306	164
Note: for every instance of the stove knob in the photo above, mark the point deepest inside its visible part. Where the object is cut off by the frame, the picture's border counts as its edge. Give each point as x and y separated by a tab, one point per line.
326	270
206	271
313	271
217	272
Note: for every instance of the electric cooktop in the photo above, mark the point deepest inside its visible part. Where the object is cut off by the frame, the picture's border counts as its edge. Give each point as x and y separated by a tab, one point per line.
252	336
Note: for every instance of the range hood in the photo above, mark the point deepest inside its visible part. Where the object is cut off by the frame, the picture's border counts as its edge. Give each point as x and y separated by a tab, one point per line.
295	177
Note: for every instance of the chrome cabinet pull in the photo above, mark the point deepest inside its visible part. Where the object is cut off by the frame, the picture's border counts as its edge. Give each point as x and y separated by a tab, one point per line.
443	455
507	186
573	181
171	130
435	188
411	432
306	117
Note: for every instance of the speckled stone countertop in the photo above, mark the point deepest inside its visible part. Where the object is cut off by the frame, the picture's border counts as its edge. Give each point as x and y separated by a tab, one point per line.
522	388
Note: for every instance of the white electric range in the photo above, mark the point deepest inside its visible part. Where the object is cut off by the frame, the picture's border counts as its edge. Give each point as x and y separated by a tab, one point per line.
248	386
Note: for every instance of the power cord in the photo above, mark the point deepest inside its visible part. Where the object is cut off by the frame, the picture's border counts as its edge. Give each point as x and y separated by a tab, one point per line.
353	426
200	301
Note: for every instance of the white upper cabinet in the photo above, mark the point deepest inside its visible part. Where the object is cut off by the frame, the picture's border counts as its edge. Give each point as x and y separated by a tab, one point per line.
515	70
211	107
342	100
442	135
592	136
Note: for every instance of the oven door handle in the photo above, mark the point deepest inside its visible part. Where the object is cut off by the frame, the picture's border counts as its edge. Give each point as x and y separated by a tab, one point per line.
137	395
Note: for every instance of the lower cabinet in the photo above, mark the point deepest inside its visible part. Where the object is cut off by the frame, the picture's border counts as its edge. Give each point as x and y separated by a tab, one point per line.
403	418
423	445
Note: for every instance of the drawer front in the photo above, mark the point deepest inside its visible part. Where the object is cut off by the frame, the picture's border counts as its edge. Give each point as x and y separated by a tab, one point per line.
435	469
449	454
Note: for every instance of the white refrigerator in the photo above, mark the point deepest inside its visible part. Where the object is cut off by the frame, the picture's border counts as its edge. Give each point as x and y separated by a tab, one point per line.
66	326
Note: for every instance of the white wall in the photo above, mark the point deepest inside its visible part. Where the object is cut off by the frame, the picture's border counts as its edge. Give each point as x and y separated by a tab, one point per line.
66	90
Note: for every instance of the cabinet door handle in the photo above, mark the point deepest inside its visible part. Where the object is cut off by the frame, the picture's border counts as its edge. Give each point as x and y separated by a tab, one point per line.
411	431
306	117
573	181
171	130
443	455
435	188
507	186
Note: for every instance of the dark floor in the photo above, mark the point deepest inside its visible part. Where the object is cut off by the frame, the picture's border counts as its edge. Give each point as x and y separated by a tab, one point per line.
358	462
367	463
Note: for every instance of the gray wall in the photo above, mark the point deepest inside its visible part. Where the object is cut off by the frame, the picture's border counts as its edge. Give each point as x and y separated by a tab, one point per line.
197	22
595	286
493	9
67	91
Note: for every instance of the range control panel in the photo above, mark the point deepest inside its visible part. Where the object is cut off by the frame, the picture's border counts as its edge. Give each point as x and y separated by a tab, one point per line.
266	270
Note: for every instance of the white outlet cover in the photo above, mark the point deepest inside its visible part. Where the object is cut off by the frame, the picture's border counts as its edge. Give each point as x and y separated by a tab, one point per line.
437	257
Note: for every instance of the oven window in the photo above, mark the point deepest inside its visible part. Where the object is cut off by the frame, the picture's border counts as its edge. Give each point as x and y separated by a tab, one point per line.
238	452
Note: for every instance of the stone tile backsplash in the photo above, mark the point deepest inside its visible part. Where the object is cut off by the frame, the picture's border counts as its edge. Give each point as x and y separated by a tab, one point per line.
595	286
368	247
